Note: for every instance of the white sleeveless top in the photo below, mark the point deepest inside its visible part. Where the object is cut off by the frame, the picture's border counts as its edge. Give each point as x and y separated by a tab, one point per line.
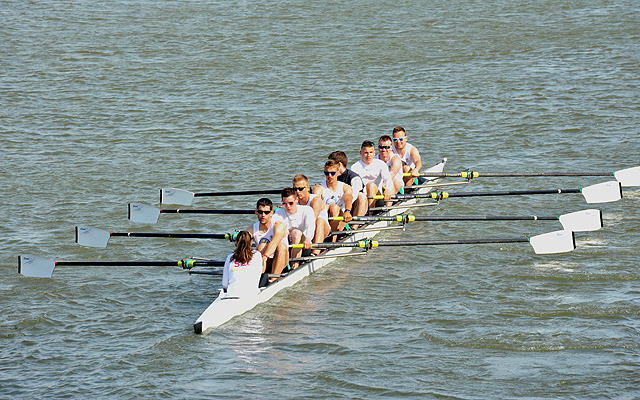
324	215
262	237
406	160
398	176
330	197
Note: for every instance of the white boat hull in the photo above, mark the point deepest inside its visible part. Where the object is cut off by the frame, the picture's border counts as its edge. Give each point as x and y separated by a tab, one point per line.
224	307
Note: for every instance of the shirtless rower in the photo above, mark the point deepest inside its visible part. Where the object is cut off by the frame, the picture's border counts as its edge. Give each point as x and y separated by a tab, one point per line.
374	173
409	155
359	204
299	220
385	153
335	195
306	198
271	238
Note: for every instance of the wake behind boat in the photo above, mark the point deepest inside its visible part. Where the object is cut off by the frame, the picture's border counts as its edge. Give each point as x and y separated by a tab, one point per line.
224	307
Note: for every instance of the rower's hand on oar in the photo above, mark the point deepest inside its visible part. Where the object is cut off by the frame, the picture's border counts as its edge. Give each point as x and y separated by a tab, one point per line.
307	244
347	216
387	194
414	173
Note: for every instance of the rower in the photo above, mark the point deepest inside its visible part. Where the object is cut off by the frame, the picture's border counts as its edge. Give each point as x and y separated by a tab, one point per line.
408	154
241	272
306	198
386	154
374	173
359	204
271	238
299	220
335	195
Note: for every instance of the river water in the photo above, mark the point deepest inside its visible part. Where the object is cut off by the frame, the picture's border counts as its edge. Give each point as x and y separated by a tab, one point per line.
104	103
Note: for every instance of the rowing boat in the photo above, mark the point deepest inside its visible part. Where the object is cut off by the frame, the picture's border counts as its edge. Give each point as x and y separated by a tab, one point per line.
224	307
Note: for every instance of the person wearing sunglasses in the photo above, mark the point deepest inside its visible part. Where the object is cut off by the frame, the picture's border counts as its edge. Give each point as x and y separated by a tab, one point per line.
299	220
335	196
359	203
409	155
271	238
385	153
374	173
306	198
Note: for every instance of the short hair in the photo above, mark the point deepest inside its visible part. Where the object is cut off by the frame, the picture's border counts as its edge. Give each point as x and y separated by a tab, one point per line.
300	177
398	129
367	143
331	164
286	192
385	138
339	156
264	202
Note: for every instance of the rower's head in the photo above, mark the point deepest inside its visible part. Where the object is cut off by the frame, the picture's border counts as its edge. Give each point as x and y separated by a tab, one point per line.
341	158
331	171
289	200
244	251
264	210
385	149
301	186
367	151
399	137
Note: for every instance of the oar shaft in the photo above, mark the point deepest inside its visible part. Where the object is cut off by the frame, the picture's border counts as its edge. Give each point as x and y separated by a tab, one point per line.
237	193
457	241
516	174
202	211
436	195
174	235
410	218
210	263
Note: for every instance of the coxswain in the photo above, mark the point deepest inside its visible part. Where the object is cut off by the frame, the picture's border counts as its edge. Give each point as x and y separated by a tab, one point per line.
386	154
306	198
359	204
409	155
335	195
242	269
299	220
271	238
374	173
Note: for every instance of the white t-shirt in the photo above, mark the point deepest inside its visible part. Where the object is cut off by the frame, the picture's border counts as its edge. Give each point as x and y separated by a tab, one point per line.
242	280
304	219
376	172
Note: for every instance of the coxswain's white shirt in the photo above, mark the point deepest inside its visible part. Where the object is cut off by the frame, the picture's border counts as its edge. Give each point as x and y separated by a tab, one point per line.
242	280
376	172
304	219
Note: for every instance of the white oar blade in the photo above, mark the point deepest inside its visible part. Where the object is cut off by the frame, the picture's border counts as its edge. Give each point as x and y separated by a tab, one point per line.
582	221
604	192
92	237
38	267
143	213
176	196
553	242
628	177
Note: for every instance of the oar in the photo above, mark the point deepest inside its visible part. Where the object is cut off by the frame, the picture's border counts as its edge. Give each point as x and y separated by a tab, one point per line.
185	198
547	243
627	177
143	213
40	267
94	237
579	221
599	193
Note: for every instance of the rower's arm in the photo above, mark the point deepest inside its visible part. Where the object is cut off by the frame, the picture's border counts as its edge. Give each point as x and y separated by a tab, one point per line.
417	160
280	231
348	196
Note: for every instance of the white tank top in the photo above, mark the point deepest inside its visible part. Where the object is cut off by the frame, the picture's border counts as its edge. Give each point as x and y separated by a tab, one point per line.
406	160
398	176
323	214
262	237
330	197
